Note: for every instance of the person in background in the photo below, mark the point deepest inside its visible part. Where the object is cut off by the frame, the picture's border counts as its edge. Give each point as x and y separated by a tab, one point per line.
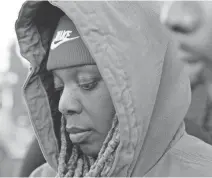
190	23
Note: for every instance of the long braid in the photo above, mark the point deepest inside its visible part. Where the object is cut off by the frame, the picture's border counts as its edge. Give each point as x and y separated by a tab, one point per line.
108	152
62	164
72	162
94	171
109	162
90	160
86	166
81	165
108	165
78	171
105	143
108	138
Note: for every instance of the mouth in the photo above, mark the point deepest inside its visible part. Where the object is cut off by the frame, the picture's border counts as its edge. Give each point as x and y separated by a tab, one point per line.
76	130
186	54
78	135
186	47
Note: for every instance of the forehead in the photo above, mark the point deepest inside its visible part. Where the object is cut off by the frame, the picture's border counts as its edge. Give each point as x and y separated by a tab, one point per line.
76	70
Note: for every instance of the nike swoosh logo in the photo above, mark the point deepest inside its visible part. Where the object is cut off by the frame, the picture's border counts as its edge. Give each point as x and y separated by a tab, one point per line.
58	43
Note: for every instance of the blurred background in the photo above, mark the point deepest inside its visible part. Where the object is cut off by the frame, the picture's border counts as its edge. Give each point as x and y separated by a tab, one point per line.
15	129
16	133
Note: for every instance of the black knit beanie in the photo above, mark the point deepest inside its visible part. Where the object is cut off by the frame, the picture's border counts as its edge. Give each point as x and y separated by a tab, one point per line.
67	48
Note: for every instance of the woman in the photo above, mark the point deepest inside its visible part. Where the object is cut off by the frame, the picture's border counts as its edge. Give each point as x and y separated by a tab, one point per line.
105	95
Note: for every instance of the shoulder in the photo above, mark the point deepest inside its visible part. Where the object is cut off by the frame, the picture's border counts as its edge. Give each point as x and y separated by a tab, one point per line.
194	154
43	171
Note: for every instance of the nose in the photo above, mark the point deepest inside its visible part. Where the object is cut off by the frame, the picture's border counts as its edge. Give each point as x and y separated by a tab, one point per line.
69	104
181	16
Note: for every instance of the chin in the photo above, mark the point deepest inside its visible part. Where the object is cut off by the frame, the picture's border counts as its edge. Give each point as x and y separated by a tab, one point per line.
90	149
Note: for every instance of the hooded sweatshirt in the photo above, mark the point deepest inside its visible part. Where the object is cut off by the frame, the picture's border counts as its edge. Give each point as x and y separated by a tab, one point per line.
148	86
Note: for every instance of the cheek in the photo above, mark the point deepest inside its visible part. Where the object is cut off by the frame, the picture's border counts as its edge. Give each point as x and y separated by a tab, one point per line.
100	109
203	36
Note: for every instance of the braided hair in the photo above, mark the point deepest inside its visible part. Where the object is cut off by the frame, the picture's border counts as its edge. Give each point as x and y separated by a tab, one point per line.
80	165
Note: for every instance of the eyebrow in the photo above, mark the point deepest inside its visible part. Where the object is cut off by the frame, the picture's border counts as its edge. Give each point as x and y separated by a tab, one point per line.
79	69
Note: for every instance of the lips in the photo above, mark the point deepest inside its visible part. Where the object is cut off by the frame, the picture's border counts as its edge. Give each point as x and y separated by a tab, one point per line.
186	47
187	54
78	135
75	130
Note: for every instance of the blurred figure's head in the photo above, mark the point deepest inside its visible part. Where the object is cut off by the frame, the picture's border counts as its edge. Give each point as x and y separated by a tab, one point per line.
191	23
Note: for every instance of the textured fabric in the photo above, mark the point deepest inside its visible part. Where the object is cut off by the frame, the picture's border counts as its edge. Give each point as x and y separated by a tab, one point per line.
67	48
33	153
45	171
148	86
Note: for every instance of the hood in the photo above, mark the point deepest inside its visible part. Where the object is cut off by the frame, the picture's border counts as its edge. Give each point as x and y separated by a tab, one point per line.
148	86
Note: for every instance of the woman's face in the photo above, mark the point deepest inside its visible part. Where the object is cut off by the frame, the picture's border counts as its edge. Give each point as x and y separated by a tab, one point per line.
86	105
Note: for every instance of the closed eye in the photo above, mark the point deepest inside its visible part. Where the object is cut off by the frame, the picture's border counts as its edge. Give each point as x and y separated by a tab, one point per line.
89	86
